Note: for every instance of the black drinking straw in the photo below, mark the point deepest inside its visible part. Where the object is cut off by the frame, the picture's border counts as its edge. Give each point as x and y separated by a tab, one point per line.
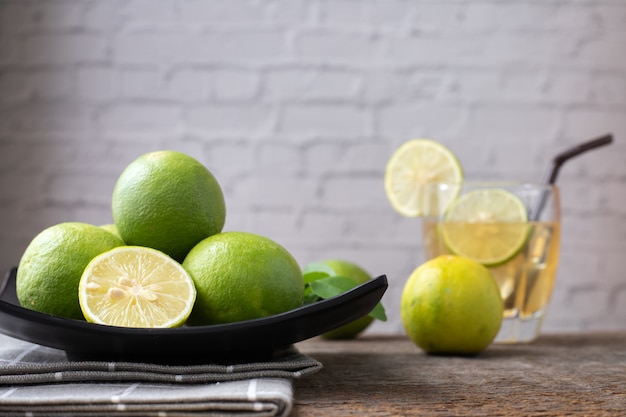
560	159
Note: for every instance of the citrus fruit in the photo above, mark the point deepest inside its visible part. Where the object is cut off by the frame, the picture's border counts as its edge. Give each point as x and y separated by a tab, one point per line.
111	229
168	201
451	305
52	264
488	225
242	276
359	276
412	166
133	286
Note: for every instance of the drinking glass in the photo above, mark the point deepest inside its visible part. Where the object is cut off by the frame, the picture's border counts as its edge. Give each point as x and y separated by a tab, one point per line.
526	274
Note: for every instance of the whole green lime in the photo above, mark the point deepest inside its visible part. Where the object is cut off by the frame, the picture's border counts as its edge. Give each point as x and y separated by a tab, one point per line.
357	274
451	305
111	229
242	276
169	201
51	266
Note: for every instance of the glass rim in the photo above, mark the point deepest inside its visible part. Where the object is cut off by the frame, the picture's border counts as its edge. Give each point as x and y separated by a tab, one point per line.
493	183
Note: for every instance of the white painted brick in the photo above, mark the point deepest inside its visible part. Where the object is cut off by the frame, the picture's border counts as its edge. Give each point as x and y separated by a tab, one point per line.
64	49
276	224
438	17
103	16
11	50
325	47
97	84
59	16
270	191
322	157
611	17
292	13
234	47
422	119
609	90
323	226
141	84
595	196
434	50
230	119
148	48
188	85
47	118
230	160
52	85
14	86
513	122
577	268
344	13
382	86
365	157
233	12
516	48
146	118
600	53
391	14
279	159
613	197
313	84
16	18
235	85
354	191
383	226
72	190
324	120
150	11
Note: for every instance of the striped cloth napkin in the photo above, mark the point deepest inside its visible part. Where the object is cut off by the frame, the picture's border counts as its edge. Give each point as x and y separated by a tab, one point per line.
37	381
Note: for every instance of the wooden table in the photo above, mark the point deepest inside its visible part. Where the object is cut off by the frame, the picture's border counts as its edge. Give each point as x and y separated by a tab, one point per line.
389	376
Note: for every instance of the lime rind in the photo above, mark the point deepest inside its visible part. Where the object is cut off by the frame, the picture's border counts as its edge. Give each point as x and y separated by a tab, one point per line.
414	165
484	207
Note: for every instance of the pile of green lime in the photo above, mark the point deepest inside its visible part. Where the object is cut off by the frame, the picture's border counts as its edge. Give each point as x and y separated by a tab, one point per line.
164	259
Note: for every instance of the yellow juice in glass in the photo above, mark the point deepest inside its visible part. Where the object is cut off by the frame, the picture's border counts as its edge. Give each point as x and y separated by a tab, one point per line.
527	274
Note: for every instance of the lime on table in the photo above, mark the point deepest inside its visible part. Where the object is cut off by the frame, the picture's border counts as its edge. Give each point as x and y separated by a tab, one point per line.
451	305
133	286
488	225
413	165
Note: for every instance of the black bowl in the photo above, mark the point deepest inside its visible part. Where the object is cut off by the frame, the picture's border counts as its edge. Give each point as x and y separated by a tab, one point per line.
254	339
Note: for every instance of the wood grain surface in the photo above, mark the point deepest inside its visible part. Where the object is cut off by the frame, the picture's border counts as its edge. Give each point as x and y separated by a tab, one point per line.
389	376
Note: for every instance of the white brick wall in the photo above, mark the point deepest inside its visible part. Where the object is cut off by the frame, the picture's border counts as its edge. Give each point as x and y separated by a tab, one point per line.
296	105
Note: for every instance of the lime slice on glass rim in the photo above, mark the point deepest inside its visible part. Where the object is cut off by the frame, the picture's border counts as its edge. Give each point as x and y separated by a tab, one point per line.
488	225
414	165
132	286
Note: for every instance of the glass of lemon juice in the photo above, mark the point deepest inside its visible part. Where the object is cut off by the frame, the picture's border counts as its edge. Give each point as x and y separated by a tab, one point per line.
513	229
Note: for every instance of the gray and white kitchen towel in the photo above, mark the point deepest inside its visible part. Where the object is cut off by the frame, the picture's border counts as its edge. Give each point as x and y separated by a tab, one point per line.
37	381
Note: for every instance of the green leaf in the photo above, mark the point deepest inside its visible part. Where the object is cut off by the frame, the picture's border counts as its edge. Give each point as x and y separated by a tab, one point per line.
315	271
322	283
331	286
379	312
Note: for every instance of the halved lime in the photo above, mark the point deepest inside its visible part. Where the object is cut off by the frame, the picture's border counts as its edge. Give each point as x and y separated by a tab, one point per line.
488	225
415	164
132	286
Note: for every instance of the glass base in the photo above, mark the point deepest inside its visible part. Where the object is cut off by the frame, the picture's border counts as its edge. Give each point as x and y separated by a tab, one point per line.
519	330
